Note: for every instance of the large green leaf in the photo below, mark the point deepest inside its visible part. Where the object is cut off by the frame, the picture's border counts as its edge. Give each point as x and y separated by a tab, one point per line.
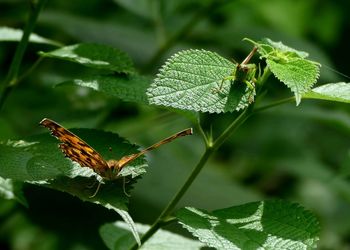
94	55
338	92
256	225
191	80
118	237
38	160
130	88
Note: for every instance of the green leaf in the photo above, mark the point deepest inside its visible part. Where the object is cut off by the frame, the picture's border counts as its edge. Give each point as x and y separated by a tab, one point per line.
38	160
338	92
255	225
289	66
95	56
117	236
128	88
191	80
15	35
12	190
279	46
298	74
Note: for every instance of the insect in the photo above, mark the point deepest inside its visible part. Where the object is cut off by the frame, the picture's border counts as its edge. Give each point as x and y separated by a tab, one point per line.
243	73
79	151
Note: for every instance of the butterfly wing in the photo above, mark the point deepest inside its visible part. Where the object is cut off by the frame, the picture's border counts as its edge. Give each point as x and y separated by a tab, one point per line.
75	148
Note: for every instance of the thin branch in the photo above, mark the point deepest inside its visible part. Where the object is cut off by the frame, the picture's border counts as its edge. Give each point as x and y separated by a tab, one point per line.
183	31
210	149
11	78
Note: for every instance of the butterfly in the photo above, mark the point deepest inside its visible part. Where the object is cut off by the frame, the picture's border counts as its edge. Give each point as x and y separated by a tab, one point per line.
79	151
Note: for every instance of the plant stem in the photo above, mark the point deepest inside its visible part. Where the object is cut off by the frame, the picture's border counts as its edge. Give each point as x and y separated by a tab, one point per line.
30	70
182	32
11	78
169	208
232	127
279	102
210	149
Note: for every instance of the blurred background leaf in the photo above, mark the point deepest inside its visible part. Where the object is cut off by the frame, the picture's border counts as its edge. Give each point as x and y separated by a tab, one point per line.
300	154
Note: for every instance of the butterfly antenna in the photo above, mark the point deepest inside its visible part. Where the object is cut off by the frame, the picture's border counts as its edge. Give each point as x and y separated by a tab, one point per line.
97	189
126	159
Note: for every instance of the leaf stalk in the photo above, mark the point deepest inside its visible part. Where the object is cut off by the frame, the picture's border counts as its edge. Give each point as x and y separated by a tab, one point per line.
210	149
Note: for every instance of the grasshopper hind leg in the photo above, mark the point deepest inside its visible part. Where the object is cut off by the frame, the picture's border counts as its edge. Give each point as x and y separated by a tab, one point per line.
219	89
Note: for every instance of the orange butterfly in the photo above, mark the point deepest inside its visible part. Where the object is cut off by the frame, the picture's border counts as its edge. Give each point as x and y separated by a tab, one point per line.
79	151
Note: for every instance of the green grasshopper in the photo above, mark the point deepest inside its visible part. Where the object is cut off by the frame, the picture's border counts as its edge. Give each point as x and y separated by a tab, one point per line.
243	73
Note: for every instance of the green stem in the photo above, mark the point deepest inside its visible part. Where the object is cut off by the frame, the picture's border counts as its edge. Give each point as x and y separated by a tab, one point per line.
169	208
182	32
279	102
204	136
11	78
232	127
210	149
262	79
30	70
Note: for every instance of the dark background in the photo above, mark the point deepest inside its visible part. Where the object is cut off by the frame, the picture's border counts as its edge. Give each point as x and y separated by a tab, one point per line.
301	154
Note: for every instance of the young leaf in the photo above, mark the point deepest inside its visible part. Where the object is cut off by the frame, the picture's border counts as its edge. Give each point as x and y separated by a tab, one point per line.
279	46
117	236
130	88
338	92
191	80
95	56
256	225
298	74
289	66
15	35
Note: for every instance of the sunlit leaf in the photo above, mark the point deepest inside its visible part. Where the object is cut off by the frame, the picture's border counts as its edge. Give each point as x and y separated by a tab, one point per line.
192	80
12	190
299	75
95	56
130	88
117	236
256	225
289	66
15	35
339	92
